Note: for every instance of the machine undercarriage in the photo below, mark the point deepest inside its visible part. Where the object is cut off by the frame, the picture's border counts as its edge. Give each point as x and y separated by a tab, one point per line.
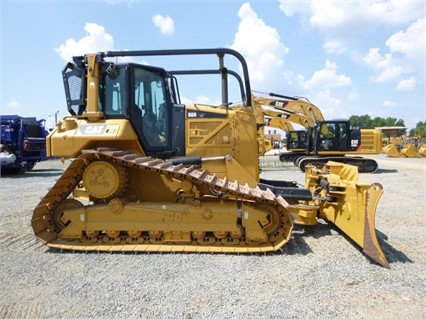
207	214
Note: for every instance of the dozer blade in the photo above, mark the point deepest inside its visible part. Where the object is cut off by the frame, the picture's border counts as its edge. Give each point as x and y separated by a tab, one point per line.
351	206
371	245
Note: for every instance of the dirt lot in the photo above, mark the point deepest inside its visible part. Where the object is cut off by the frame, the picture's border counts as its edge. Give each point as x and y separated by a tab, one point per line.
319	274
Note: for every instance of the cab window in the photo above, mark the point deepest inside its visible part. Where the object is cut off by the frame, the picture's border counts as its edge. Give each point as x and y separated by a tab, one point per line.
150	108
113	94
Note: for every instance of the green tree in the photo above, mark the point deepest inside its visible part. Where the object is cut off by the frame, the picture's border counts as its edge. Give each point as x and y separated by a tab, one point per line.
390	121
360	121
367	121
419	130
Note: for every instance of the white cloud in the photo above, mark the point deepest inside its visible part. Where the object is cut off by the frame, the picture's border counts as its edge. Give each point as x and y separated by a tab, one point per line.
393	72
185	100
326	78
353	95
389	104
334	46
129	2
96	40
202	99
411	44
374	59
407	56
166	24
342	22
407	85
291	8
330	107
331	14
326	14
261	45
14	104
384	66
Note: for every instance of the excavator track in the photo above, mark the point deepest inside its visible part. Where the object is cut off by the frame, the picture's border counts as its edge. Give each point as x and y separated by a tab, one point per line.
49	223
365	165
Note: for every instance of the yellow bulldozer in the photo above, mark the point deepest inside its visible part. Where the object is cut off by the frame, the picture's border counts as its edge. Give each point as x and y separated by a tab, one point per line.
150	174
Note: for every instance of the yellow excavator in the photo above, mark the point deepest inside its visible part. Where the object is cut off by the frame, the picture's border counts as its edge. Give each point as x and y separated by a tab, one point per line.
150	174
321	140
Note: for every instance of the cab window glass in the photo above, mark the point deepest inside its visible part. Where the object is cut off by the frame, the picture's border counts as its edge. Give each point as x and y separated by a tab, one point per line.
114	94
150	107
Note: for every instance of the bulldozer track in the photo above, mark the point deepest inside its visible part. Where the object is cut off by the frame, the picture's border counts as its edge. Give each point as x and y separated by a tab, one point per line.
45	229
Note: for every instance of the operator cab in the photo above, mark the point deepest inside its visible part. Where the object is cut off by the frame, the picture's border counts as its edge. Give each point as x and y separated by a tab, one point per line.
296	140
330	136
145	95
98	90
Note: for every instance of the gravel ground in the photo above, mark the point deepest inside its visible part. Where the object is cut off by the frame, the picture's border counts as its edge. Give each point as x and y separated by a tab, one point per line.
319	274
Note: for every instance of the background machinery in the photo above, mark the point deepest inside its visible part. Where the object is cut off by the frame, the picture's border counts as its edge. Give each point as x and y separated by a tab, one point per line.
22	143
322	140
402	145
152	174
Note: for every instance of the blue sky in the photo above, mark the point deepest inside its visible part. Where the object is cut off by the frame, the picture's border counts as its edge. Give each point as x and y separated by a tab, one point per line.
347	57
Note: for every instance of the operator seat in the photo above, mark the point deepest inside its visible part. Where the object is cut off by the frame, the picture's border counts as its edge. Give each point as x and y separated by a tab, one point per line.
150	129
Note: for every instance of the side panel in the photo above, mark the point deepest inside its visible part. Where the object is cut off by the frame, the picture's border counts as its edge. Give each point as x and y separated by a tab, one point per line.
366	141
371	141
178	127
222	132
71	136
